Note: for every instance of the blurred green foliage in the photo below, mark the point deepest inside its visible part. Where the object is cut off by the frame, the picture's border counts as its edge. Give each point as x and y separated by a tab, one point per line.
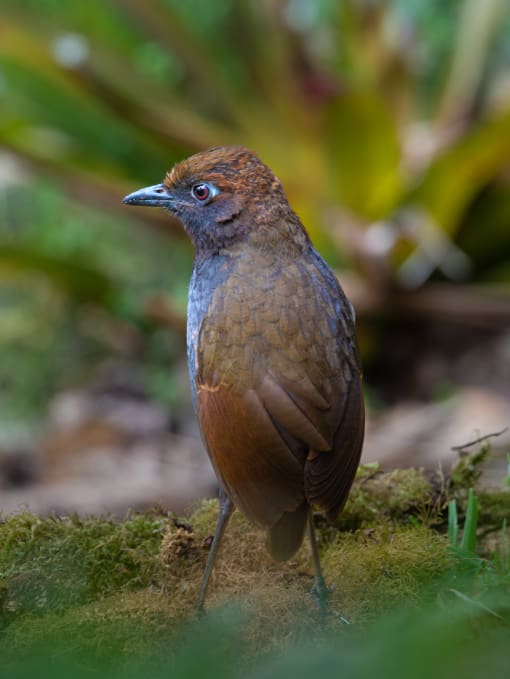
74	291
456	640
378	114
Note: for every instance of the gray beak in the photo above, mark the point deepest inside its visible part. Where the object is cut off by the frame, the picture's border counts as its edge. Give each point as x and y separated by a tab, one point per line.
154	196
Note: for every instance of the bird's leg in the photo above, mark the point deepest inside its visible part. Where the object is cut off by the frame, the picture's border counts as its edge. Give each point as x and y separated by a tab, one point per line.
226	509
320	590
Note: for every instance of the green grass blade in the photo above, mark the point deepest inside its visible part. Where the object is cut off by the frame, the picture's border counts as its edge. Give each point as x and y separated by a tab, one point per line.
468	543
505	548
453	524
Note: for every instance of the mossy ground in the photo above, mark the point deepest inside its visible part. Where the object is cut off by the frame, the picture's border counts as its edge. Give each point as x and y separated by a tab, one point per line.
127	587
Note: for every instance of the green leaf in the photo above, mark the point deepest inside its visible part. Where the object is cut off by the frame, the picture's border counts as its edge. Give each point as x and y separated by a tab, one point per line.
364	154
459	173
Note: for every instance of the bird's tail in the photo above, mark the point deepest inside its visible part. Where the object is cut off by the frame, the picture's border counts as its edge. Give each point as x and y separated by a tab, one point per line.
286	536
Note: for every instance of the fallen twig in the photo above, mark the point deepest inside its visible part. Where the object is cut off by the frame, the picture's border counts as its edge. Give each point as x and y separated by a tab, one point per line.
479	440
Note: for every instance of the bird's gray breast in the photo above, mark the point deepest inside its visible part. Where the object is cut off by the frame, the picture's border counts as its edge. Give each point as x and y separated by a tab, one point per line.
207	275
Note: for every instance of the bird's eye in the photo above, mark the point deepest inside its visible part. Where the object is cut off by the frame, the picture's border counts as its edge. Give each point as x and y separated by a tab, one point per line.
201	192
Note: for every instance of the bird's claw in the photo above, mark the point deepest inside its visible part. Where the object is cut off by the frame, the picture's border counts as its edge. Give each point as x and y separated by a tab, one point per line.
321	594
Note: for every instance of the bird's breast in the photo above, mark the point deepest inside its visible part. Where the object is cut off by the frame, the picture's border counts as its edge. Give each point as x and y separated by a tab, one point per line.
207	277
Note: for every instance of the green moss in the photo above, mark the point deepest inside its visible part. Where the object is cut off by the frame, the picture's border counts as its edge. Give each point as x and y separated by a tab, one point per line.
52	563
368	571
125	587
377	569
494	508
392	495
125	624
466	472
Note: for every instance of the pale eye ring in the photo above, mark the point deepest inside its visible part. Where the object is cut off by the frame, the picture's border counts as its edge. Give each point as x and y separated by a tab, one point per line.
201	192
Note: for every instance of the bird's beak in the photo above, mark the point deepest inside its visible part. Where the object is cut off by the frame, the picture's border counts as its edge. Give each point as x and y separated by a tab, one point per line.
156	196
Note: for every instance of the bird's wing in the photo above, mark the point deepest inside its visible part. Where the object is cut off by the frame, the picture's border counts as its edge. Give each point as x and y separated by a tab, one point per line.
254	464
312	390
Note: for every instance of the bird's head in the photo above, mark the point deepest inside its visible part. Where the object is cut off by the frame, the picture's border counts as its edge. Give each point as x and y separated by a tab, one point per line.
223	196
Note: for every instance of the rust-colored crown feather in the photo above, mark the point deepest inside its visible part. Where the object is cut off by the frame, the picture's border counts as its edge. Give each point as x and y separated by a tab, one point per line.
228	167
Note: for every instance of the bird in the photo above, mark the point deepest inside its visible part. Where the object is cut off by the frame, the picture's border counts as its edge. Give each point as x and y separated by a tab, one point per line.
273	358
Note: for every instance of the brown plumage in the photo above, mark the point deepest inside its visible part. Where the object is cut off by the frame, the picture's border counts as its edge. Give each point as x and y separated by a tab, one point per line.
272	352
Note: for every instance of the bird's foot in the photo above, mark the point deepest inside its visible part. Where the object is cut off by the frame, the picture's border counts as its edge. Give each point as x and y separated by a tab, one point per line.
321	594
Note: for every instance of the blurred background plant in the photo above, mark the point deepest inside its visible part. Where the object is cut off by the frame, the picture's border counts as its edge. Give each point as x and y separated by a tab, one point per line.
388	123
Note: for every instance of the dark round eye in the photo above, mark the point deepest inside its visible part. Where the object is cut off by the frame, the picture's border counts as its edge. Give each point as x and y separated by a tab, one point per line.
201	192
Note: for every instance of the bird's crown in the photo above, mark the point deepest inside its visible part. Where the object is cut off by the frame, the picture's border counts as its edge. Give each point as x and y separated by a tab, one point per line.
228	168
